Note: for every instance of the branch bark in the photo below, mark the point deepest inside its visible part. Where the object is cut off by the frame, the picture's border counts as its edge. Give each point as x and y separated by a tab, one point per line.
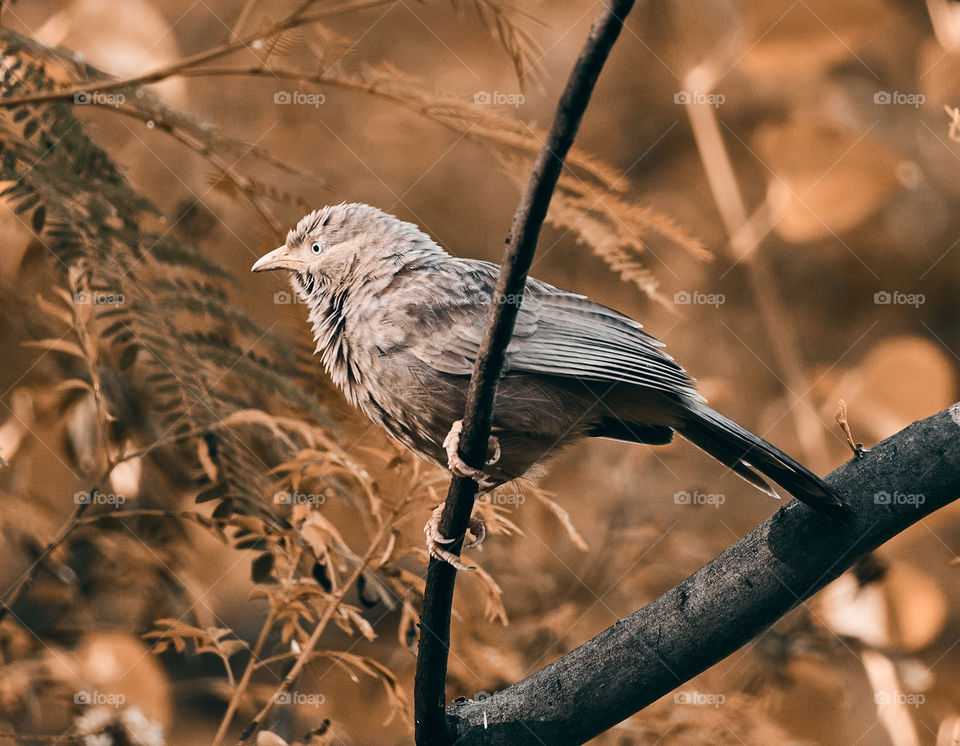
727	602
430	683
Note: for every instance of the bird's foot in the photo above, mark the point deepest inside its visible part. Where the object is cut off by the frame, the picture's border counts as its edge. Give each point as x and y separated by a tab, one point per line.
451	444
434	539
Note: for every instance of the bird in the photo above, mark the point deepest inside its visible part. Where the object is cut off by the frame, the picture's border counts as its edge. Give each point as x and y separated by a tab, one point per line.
398	324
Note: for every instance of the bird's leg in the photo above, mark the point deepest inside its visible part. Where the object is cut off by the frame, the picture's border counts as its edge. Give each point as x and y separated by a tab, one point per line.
451	444
435	539
459	467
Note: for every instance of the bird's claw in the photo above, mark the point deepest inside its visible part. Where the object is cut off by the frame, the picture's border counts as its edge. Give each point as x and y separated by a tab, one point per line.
434	539
459	467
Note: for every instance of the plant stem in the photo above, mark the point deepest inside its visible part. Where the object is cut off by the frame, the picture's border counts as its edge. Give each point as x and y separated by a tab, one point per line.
245	678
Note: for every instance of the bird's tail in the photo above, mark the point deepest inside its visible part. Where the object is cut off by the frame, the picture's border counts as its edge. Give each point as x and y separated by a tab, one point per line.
752	458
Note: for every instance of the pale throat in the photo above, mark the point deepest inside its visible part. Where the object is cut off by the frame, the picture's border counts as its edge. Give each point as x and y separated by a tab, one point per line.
327	315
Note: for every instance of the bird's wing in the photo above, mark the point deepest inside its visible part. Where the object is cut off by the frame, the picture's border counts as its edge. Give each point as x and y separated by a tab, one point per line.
557	333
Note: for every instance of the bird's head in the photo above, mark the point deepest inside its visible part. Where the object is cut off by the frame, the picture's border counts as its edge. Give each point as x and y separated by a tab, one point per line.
338	258
346	242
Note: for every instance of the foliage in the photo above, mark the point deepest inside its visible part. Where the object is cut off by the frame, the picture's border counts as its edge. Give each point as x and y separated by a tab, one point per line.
172	467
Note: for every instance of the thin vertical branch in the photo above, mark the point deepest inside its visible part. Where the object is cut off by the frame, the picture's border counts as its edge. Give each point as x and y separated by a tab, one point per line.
429	688
245	677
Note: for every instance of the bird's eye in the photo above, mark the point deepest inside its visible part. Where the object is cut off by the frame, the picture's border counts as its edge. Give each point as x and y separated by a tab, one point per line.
316	247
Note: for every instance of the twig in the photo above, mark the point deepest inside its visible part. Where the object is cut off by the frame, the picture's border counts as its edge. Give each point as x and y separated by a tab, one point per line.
308	647
119	515
204	151
245	678
241	21
26	580
843	422
727	602
294	20
429	687
77	519
82	315
444	110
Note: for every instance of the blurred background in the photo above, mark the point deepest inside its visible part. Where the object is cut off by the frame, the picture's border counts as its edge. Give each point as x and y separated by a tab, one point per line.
766	186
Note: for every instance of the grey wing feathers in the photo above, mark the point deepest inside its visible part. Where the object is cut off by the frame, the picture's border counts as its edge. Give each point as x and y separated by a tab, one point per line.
557	333
579	338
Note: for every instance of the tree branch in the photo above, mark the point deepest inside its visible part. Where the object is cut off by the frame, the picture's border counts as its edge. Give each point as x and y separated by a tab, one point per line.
727	602
429	687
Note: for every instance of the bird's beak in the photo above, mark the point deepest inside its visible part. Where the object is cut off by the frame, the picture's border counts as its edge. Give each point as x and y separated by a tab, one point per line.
276	259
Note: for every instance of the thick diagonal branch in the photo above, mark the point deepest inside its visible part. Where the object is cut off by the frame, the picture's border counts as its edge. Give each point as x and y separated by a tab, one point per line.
728	601
429	688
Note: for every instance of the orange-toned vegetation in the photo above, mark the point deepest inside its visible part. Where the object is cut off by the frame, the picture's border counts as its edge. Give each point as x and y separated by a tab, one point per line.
769	187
